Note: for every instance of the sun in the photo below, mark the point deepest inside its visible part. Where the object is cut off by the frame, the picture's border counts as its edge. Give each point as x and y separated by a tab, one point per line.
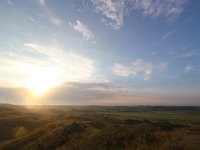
43	79
40	85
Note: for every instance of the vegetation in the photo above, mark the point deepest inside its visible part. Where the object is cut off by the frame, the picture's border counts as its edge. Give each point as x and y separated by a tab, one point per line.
99	128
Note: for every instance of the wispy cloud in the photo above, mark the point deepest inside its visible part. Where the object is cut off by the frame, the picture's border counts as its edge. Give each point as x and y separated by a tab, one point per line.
186	54
114	12
55	20
71	65
138	67
63	65
162	66
9	2
42	2
188	69
51	16
122	70
166	36
187	72
83	29
155	8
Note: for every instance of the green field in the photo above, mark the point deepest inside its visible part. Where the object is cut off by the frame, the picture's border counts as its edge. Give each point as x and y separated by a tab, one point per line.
162	115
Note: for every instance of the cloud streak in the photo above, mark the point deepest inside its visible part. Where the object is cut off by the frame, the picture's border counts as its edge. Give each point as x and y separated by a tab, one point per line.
83	29
187	54
166	36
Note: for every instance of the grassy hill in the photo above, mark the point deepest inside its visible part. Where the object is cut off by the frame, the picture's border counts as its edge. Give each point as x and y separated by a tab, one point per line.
99	128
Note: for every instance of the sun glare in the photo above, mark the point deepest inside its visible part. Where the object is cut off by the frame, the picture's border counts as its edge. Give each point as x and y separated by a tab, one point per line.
40	85
43	79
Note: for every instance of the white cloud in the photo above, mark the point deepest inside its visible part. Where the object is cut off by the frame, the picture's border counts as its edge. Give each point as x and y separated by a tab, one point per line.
122	70
61	65
114	12
137	68
71	65
83	29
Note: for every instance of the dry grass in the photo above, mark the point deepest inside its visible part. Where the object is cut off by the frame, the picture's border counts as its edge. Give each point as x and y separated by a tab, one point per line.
79	129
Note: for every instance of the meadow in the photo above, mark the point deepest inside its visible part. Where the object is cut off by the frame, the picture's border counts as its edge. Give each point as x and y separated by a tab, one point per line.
51	127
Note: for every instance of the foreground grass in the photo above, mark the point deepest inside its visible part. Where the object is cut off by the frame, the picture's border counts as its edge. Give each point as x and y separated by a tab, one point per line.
98	128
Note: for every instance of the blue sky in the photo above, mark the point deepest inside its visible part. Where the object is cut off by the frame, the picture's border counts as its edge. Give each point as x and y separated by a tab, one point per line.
106	52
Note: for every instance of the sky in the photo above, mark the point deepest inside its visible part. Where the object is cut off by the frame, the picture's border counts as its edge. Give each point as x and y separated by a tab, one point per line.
100	52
